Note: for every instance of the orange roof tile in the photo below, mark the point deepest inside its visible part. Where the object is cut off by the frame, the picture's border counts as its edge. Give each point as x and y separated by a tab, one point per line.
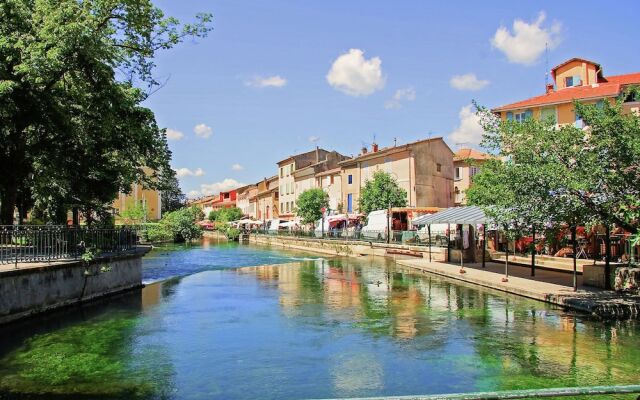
611	87
465	154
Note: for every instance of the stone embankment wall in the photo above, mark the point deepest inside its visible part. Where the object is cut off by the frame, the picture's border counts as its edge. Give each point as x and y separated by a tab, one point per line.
33	289
345	248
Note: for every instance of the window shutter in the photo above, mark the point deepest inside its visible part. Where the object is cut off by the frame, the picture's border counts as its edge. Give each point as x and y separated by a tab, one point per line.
600	104
576	80
509	116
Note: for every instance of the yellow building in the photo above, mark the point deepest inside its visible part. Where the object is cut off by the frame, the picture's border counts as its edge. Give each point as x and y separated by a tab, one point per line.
139	195
575	79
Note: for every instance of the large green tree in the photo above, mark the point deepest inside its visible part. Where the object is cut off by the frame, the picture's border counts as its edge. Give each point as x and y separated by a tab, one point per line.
73	75
563	174
381	192
310	204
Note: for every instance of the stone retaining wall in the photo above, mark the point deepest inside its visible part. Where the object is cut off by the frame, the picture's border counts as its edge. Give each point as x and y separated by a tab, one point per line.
344	248
30	290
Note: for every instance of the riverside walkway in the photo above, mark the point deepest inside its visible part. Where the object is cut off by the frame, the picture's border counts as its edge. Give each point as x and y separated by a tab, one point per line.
549	286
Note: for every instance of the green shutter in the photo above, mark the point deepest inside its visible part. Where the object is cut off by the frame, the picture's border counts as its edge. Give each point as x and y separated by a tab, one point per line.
509	116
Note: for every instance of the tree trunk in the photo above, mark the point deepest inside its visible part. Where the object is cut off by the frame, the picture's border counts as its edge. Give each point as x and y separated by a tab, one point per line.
8	200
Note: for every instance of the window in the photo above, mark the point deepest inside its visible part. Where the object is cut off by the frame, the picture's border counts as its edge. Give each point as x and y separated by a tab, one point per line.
473	171
287	206
579	122
548	113
281	172
350	179
519	116
439	167
458	173
281	206
350	202
331	180
571	81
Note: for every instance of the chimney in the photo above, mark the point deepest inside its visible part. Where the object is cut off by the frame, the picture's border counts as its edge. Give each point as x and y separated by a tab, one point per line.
374	148
317	154
549	88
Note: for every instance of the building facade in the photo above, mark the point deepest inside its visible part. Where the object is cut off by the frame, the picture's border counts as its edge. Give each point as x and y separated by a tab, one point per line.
286	179
424	169
245	194
331	182
151	199
466	163
267	199
574	79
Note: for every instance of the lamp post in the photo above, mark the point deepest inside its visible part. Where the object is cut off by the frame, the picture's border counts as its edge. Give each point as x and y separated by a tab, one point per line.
322	210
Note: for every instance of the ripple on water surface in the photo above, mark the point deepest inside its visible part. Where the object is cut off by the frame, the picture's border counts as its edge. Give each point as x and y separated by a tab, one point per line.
306	329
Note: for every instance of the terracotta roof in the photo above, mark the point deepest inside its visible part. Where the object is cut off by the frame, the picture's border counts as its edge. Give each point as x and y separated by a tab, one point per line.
465	154
611	87
386	150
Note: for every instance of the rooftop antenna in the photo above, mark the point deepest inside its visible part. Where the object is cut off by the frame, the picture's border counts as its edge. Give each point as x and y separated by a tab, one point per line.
546	65
374	138
395	141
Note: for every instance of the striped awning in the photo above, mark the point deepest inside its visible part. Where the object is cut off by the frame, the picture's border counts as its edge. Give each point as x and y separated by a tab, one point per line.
470	215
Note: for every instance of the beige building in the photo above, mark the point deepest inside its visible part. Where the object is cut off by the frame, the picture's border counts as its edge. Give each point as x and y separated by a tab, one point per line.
423	168
331	182
266	199
307	178
139	195
466	163
244	203
286	180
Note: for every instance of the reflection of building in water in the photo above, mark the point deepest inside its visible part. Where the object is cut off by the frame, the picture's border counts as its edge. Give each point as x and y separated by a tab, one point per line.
342	289
151	295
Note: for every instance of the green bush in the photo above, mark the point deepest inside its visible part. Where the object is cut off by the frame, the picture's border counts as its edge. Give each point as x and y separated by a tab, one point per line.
179	225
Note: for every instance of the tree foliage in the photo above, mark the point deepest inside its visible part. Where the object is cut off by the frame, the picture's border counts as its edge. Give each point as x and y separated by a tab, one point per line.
179	225
172	196
310	203
562	174
73	75
381	192
225	214
134	215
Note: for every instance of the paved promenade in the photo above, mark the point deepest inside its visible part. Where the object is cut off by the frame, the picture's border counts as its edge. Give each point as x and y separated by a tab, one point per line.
549	286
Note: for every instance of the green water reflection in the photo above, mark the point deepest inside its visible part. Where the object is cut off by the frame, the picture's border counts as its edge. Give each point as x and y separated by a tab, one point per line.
324	328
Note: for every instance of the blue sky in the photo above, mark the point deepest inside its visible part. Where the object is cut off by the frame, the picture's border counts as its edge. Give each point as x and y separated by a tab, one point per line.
278	77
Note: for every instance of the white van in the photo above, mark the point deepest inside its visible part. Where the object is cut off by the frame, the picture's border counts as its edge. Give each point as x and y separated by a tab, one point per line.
377	225
273	225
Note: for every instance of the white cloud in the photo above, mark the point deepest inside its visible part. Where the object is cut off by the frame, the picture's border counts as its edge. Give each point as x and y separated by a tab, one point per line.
193	194
184	172
266	81
354	75
527	42
237	167
468	82
313	139
407	94
202	131
469	131
173	134
227	184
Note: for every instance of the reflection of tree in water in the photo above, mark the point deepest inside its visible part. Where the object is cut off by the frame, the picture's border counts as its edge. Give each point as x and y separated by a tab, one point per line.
522	348
97	358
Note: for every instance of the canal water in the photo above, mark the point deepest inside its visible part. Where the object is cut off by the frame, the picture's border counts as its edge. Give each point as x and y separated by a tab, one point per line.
215	322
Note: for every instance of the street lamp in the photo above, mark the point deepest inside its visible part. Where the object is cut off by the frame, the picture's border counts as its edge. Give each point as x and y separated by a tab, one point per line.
322	210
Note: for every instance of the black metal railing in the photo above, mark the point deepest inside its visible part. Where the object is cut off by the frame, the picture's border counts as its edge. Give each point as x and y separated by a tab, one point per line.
45	243
410	237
